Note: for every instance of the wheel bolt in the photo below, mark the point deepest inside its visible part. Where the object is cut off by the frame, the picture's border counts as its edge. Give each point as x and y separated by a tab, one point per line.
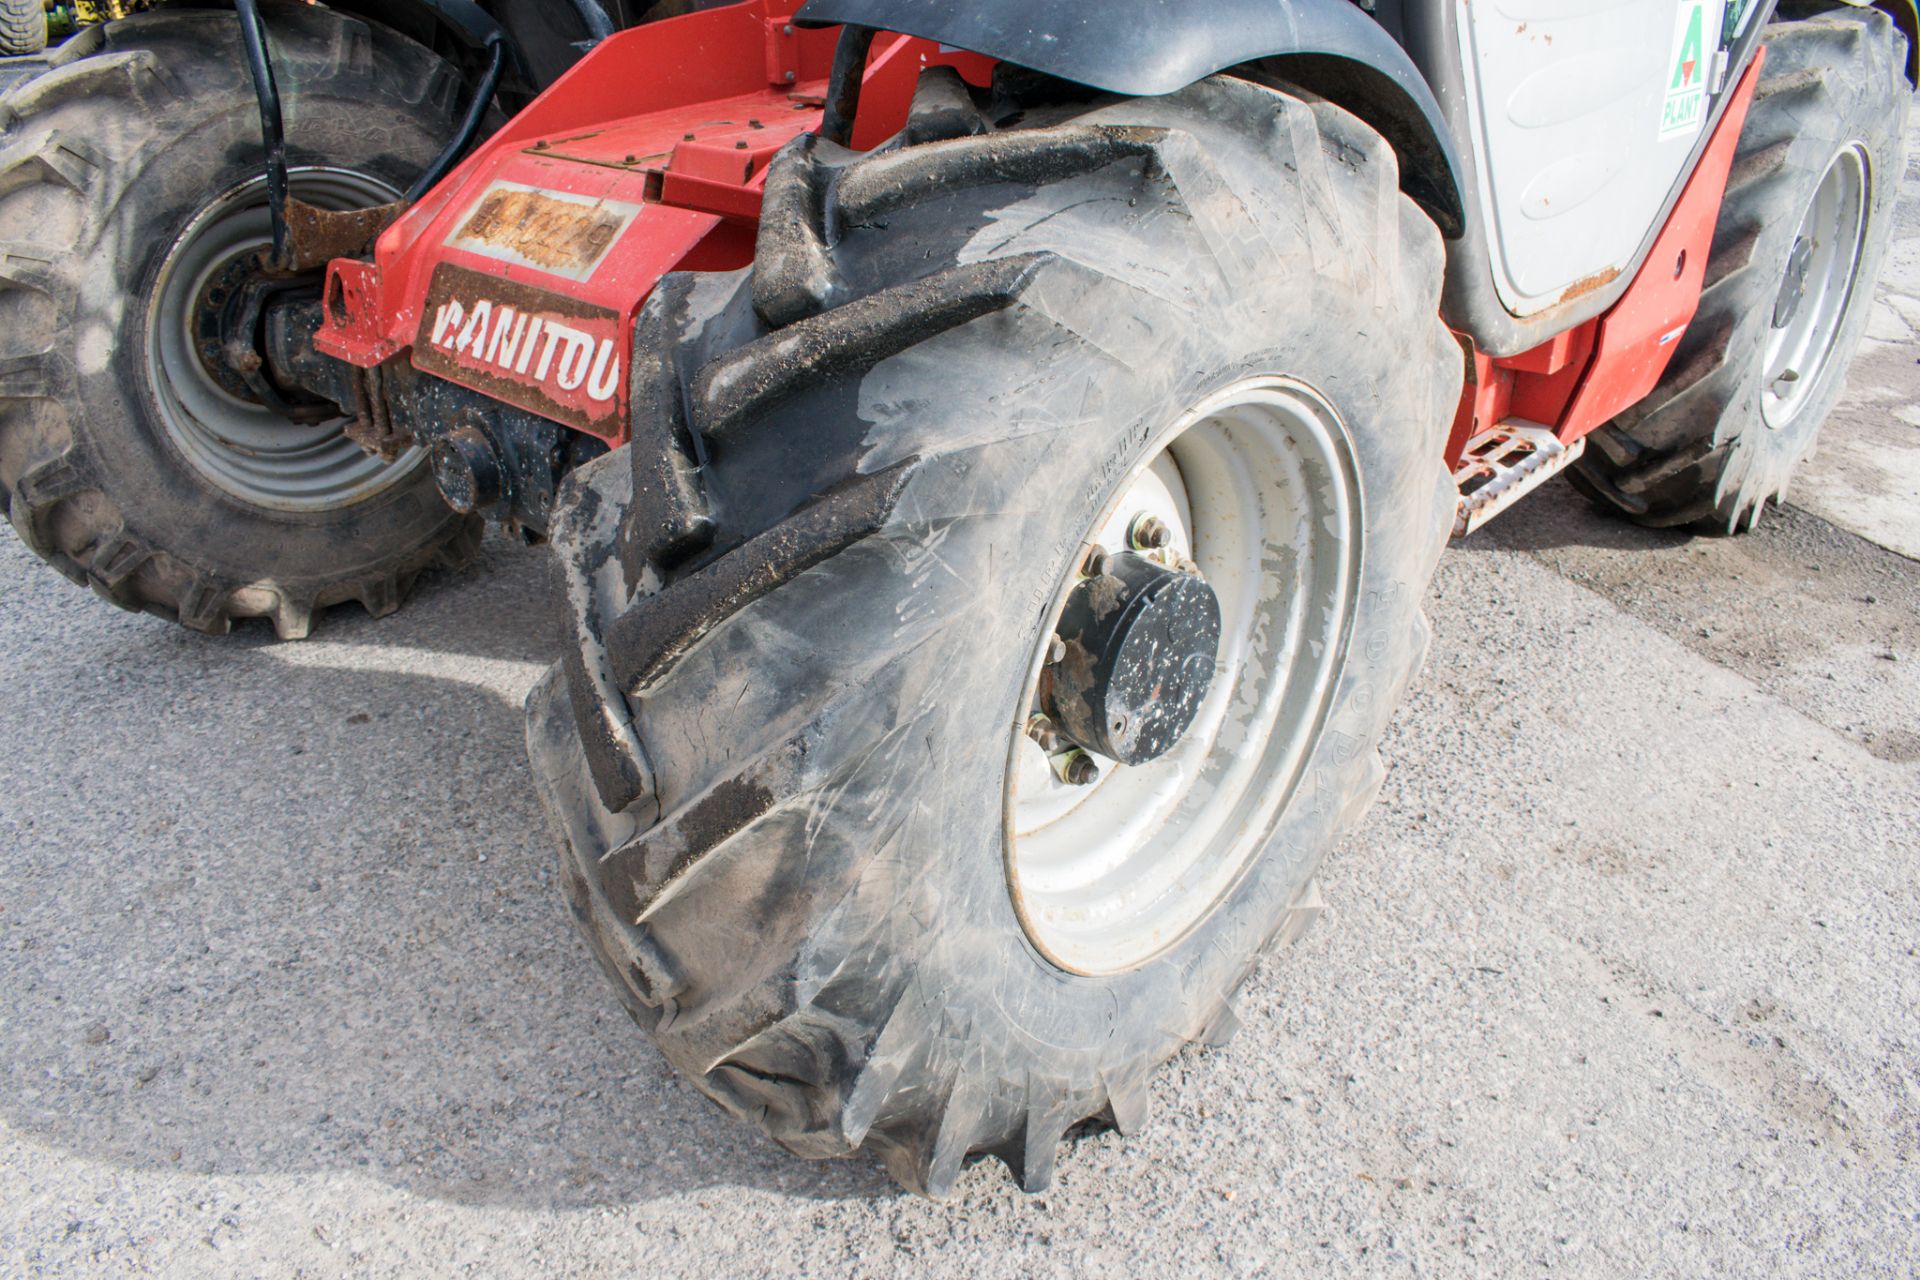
1076	768
1148	532
1046	734
1090	562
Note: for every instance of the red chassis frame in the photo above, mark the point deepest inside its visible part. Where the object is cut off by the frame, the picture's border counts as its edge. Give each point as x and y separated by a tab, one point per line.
651	154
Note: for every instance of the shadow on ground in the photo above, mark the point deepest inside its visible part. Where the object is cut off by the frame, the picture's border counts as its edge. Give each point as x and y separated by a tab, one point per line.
309	924
1819	617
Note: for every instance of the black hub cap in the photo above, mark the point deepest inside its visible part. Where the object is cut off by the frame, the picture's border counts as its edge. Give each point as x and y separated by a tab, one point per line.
1139	643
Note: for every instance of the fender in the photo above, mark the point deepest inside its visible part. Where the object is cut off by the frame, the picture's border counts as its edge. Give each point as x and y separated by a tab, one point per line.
1146	47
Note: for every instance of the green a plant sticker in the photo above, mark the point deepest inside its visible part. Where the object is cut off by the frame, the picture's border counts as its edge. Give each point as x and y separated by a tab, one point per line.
1696	35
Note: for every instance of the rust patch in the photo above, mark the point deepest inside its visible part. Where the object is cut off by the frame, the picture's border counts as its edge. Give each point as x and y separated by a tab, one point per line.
317	236
373	428
1591	284
565	236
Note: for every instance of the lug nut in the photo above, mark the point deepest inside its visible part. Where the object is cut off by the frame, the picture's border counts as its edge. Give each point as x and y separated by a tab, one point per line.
1056	650
1046	734
1076	768
1148	532
1080	770
1069	763
1090	561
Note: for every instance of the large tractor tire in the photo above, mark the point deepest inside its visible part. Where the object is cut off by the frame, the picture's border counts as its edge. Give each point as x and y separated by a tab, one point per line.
805	831
130	176
23	27
1805	224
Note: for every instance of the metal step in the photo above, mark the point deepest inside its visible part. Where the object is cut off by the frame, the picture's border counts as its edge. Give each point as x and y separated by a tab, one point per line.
1503	465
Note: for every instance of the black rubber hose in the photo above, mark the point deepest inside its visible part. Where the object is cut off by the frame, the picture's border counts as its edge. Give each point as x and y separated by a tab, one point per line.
272	131
470	126
843	90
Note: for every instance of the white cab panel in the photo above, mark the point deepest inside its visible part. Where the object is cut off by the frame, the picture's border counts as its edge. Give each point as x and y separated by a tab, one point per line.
1584	113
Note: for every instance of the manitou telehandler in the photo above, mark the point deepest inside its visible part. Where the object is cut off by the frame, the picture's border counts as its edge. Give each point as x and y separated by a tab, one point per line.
994	450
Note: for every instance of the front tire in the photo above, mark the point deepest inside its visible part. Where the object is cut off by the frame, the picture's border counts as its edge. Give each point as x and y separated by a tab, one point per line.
1802	231
792	839
129	173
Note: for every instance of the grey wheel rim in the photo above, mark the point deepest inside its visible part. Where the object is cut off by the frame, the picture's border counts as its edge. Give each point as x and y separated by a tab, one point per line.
1823	270
244	449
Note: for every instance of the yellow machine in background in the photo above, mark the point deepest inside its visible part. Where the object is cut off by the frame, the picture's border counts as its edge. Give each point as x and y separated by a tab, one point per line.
63	18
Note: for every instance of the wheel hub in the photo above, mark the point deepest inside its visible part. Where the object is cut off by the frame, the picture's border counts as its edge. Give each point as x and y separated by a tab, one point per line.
229	321
1138	646
211	390
1794	289
1816	292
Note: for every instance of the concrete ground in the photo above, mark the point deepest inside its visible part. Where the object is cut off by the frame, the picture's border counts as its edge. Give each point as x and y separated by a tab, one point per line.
1619	979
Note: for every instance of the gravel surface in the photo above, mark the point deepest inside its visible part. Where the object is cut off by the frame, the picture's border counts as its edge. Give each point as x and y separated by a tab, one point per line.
1619	978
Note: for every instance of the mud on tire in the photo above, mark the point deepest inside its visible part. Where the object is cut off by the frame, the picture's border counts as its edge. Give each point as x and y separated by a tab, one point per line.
779	774
1699	450
104	160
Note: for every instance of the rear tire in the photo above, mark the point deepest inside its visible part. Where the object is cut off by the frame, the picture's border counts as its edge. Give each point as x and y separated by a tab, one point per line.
1720	436
880	453
120	464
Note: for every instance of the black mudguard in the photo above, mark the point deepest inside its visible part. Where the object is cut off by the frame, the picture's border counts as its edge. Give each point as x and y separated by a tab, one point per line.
1148	47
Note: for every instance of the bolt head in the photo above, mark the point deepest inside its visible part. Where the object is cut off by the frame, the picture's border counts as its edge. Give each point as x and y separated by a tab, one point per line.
1045	734
1081	771
1149	532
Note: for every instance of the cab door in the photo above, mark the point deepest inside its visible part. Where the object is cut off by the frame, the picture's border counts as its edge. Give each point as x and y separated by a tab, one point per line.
1584	114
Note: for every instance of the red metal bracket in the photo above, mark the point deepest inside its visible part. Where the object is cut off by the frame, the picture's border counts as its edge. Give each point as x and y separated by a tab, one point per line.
354	320
783	50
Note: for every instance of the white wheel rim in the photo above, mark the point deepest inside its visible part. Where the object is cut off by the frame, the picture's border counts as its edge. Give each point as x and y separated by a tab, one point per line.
1257	484
1835	229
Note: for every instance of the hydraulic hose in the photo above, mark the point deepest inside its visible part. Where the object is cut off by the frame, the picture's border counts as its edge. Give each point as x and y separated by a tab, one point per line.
470	125
843	86
272	130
